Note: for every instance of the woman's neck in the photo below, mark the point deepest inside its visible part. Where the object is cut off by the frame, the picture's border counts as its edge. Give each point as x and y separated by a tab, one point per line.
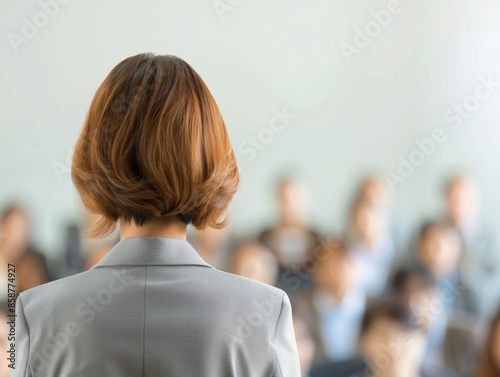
153	229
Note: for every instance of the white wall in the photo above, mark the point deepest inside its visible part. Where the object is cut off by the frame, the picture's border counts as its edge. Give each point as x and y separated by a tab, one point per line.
260	57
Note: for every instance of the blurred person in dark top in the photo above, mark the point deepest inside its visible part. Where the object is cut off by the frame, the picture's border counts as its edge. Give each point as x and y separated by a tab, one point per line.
489	365
439	250
480	262
369	242
416	288
291	238
335	303
253	260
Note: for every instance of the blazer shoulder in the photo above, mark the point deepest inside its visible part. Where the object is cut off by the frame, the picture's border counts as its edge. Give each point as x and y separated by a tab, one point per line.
247	285
58	287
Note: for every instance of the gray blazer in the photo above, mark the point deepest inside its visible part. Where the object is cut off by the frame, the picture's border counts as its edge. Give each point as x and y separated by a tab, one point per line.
153	308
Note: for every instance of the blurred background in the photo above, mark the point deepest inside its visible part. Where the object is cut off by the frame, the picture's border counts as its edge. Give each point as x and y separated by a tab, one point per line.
367	136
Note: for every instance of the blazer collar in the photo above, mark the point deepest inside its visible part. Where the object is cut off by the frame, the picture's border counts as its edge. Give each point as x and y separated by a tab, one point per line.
144	251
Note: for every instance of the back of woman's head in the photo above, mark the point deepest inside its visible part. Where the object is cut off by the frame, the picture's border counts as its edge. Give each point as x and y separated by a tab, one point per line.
154	146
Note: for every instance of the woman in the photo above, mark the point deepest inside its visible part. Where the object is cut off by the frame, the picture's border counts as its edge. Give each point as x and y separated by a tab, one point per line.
154	155
489	366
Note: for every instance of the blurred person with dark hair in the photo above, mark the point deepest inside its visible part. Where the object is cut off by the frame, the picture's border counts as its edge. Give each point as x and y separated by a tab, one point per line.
439	250
153	157
416	289
489	364
391	344
253	260
480	262
291	239
335	303
369	242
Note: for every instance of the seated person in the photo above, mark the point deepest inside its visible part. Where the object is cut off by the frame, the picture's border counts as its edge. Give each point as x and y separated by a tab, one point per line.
480	262
335	304
291	239
416	288
253	260
370	243
391	343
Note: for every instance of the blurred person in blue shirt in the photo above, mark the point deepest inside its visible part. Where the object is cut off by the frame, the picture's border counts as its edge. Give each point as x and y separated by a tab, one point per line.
371	246
335	304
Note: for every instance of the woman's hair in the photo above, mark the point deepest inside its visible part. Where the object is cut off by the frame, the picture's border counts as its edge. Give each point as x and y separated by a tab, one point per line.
487	365
154	146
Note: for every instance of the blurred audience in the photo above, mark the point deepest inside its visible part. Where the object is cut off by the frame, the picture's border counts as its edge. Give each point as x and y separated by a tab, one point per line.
369	304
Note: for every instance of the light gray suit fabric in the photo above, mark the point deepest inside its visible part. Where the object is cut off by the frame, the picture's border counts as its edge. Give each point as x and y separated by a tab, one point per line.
152	307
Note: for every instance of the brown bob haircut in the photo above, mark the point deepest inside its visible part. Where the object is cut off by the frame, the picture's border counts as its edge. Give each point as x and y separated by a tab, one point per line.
154	147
